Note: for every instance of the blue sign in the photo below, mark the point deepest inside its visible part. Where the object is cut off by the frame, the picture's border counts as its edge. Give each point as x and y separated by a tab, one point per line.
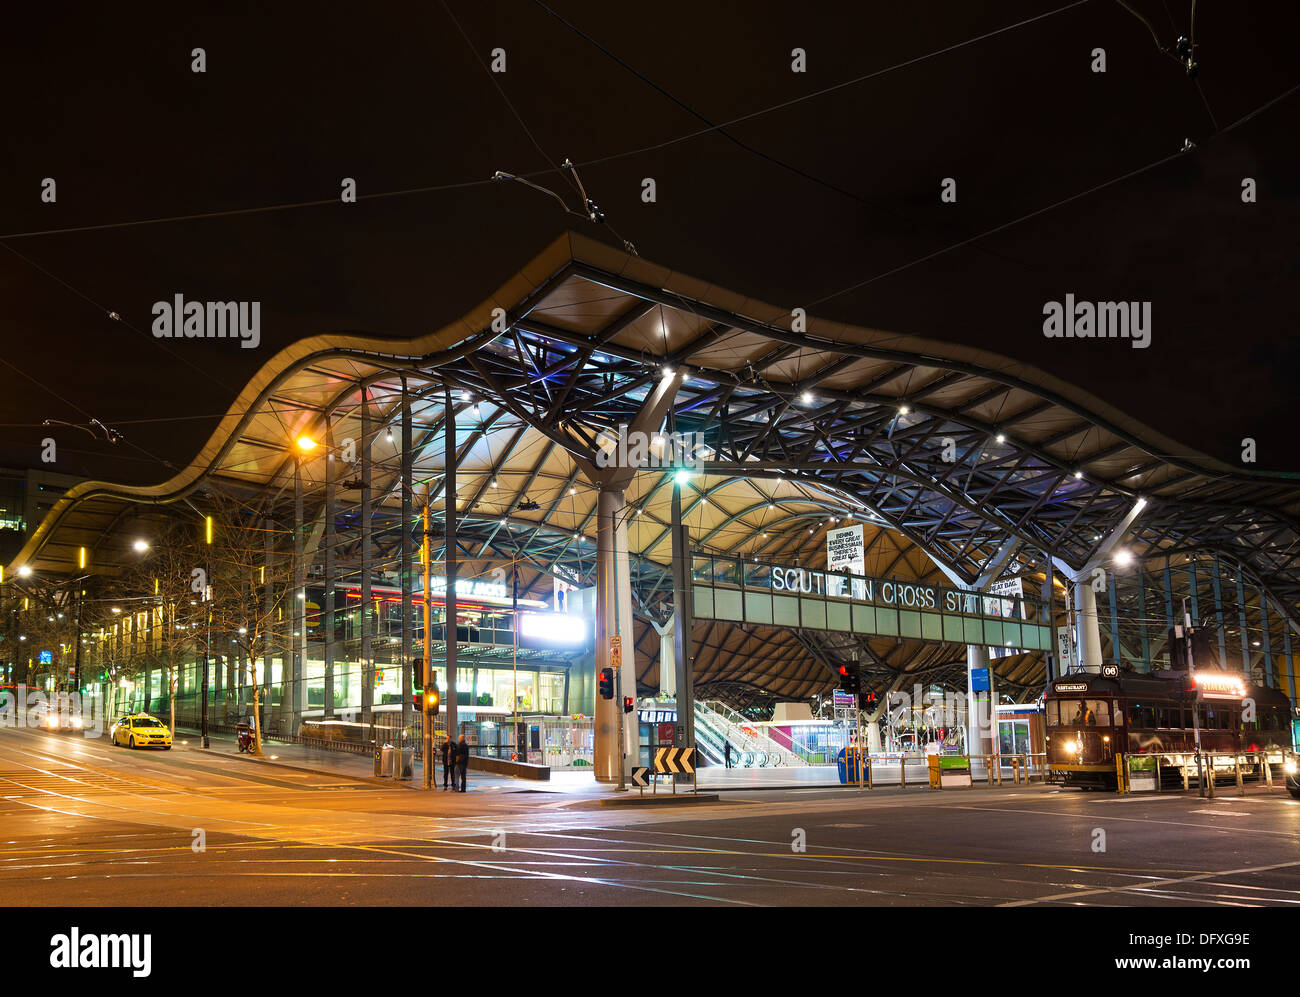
979	680
47	657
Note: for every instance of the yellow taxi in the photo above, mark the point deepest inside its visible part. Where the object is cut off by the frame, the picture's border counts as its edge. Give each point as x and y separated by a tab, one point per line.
139	730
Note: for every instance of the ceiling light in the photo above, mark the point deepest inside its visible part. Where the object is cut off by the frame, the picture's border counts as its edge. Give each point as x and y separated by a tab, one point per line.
806	397
903	410
141	545
1001	438
1078	474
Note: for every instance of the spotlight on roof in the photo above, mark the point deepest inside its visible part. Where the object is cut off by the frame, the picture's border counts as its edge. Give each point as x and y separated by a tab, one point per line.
806	397
903	410
1001	438
1078	474
140	545
306	444
1123	557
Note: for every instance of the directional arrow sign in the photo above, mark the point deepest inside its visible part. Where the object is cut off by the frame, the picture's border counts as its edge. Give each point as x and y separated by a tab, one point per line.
675	761
640	777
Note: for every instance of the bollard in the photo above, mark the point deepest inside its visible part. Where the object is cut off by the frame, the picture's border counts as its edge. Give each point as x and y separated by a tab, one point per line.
1268	772
870	784
1241	786
936	780
1120	762
902	771
1186	785
1209	776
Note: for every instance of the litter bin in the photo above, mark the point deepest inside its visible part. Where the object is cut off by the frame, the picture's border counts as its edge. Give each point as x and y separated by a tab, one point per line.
386	761
403	763
379	761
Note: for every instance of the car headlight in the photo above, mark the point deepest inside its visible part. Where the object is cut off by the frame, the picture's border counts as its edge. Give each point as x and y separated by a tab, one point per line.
1289	766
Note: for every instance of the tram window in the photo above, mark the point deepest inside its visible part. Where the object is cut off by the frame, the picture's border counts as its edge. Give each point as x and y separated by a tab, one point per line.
1187	719
1086	712
1166	717
1140	716
1053	713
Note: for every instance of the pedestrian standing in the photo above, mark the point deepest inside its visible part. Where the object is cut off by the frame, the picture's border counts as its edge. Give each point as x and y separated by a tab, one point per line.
448	762
726	753
462	762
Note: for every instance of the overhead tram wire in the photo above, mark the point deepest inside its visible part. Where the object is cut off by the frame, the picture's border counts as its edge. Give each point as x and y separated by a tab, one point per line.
468	184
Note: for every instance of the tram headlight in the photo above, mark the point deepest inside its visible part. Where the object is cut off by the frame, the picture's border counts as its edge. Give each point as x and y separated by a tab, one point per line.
1106	738
1289	766
1072	747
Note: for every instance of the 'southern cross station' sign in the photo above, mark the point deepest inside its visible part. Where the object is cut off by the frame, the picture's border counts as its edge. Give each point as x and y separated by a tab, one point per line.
747	592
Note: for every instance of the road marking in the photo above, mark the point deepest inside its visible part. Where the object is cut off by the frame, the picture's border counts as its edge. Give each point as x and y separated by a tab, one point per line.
1151	886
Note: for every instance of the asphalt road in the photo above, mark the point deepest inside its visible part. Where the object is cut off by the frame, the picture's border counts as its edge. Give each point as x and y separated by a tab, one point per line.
85	824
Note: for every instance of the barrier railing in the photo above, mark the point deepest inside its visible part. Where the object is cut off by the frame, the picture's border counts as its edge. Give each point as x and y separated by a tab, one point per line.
1145	772
964	770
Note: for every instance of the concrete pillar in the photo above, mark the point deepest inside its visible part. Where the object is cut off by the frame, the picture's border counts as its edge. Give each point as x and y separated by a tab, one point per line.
613	616
1086	628
667	657
981	727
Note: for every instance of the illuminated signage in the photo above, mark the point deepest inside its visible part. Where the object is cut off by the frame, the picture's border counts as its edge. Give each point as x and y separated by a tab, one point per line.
657	716
1218	686
1070	687
553	629
471	587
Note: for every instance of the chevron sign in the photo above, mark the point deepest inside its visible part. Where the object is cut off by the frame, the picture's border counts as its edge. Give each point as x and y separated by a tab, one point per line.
674	760
640	777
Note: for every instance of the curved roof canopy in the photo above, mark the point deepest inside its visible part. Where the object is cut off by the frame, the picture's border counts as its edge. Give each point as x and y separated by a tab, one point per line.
953	458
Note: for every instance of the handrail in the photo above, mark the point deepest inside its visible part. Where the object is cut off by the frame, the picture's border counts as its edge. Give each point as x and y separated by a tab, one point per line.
756	743
796	748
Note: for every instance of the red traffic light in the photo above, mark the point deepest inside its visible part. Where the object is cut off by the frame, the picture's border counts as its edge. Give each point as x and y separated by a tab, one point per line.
607	683
629	704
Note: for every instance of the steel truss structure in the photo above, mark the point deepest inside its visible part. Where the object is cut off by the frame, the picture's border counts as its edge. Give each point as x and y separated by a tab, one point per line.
951	458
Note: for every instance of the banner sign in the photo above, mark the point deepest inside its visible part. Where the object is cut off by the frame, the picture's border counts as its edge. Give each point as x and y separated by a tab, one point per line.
845	550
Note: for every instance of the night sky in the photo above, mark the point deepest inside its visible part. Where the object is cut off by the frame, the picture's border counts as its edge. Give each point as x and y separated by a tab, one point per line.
792	206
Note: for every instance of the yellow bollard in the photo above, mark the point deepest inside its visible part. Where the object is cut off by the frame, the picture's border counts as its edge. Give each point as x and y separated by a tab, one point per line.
936	780
1119	773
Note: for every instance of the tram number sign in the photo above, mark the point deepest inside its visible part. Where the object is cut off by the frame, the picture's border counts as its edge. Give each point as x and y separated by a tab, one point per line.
1110	671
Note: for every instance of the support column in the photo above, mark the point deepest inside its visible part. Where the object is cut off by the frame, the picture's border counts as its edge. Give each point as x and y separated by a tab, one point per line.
331	511
1086	628
298	683
667	657
981	727
450	552
408	616
614	616
683	621
367	566
268	604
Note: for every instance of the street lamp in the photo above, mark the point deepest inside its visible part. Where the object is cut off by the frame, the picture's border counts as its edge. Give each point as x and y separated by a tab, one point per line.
140	546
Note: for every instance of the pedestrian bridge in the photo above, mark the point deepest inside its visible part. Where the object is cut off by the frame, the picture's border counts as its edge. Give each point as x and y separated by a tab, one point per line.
740	591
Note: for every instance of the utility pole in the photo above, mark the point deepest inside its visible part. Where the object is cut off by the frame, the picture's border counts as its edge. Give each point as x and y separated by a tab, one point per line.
1196	702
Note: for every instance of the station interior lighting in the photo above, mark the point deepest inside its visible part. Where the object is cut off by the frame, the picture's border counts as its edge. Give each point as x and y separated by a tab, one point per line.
25	571
306	444
1123	557
141	545
681	475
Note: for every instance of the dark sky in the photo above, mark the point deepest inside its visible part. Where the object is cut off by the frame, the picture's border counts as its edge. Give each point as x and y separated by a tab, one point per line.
792	206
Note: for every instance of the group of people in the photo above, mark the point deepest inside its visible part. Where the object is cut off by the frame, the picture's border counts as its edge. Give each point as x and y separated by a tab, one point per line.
455	763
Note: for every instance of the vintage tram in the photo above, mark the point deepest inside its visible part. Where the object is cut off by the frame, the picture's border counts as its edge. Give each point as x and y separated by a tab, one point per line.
1091	717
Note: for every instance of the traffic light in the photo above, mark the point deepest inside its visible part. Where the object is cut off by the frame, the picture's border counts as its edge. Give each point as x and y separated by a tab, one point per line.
629	704
417	673
850	681
434	699
607	683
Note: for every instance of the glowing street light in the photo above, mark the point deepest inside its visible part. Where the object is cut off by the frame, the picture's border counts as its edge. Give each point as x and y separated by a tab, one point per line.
141	546
306	444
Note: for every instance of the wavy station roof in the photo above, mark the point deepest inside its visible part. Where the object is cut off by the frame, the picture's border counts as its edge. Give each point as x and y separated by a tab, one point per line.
805	428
